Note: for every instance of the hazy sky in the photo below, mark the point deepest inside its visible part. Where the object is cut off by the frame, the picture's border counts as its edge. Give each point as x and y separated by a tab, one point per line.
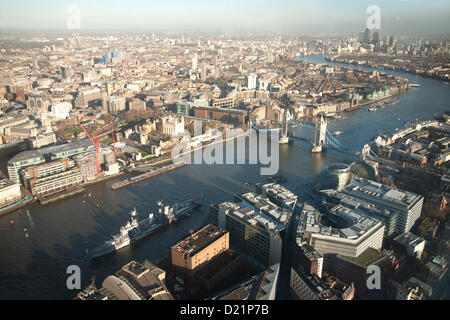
339	16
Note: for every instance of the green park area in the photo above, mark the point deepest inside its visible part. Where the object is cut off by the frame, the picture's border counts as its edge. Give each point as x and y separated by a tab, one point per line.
426	227
365	259
360	171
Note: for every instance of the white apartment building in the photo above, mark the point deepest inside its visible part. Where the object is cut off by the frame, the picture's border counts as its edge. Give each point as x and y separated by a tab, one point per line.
61	110
252	81
171	125
9	192
114	104
408	204
362	232
42	140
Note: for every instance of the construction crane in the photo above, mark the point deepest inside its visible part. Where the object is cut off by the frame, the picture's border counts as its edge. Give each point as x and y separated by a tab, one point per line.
96	144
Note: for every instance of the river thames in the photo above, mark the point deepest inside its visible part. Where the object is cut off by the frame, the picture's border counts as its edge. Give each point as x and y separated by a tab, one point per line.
34	267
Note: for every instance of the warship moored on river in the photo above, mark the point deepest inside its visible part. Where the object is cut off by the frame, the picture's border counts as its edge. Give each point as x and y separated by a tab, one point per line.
135	230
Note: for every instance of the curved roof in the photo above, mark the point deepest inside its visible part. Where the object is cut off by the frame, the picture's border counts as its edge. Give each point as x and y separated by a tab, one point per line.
120	288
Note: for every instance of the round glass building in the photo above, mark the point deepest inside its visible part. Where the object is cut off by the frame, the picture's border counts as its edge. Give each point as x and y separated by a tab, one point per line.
335	176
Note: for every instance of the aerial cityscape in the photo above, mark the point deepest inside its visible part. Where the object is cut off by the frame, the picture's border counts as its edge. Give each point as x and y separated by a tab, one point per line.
209	151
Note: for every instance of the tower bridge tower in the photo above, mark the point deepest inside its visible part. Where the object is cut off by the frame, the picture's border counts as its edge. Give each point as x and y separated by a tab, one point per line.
284	138
320	133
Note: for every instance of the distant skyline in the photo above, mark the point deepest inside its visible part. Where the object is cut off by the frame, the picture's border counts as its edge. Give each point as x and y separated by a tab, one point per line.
326	16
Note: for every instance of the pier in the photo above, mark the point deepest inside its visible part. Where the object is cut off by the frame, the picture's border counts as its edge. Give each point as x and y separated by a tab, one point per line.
59	196
147	175
16	205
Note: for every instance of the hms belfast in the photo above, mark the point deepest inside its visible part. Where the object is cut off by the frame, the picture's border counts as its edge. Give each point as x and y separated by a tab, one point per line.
135	230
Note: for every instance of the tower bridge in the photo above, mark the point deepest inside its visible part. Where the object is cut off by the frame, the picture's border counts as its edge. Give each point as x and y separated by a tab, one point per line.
319	139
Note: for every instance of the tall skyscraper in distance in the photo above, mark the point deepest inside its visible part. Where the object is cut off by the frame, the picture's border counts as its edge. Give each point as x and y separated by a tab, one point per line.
216	72
112	56
361	37
419	44
376	37
194	62
391	41
367	36
251	81
66	74
204	72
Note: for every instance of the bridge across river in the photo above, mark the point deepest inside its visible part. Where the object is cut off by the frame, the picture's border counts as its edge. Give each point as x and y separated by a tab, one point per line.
310	134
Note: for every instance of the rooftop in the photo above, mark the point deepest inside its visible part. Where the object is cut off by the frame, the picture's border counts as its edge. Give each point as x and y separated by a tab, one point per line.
274	213
135	268
11	117
31	154
85	143
246	213
359	223
26	155
409	239
92	293
360	186
144	279
316	284
308	250
365	259
357	204
279	192
199	240
4	183
257	287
